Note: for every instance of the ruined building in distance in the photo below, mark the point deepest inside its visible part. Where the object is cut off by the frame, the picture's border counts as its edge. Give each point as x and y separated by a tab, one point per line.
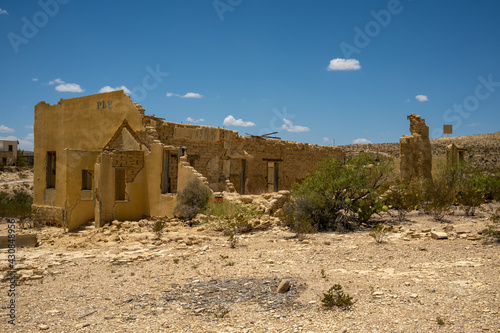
99	157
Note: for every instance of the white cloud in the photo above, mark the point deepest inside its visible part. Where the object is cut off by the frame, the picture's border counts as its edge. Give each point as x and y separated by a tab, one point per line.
422	98
65	87
3	11
188	95
231	121
192	120
106	89
35	79
361	141
192	95
28	126
30	137
325	139
5	129
9	138
290	127
69	87
473	125
58	81
339	64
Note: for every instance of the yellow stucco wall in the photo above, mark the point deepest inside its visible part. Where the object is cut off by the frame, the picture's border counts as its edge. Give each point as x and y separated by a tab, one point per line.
76	129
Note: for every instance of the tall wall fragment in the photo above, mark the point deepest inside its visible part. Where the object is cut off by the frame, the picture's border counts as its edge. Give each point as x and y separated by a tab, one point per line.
416	155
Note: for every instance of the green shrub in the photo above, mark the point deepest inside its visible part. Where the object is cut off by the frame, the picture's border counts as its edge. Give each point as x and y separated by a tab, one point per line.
300	224
20	160
379	232
335	296
403	197
16	205
339	193
193	198
492	232
158	227
232	219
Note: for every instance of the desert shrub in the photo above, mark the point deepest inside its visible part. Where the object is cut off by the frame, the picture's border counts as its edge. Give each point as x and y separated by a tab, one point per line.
232	219
16	205
193	198
338	193
335	296
300	224
492	232
403	197
158	227
379	232
20	160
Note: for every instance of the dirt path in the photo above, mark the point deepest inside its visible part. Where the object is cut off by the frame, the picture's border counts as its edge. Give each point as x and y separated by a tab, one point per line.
17	181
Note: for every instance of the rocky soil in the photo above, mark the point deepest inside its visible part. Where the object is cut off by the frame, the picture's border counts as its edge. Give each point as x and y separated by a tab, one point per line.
426	277
13	180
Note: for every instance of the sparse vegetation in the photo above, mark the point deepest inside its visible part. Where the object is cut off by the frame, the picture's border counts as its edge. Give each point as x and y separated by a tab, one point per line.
335	296
492	232
158	227
440	321
379	232
232	219
403	197
16	205
191	200
338	194
20	160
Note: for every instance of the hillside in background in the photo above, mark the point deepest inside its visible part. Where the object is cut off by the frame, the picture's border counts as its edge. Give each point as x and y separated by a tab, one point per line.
483	150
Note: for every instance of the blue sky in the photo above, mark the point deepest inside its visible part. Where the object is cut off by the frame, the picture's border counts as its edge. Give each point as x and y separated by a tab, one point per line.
349	71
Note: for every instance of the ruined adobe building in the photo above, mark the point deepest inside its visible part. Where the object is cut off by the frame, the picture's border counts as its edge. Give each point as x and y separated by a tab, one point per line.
415	150
8	152
101	158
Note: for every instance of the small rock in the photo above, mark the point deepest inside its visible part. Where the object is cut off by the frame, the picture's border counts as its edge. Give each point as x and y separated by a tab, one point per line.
448	228
426	230
43	327
439	235
246	199
378	294
283	287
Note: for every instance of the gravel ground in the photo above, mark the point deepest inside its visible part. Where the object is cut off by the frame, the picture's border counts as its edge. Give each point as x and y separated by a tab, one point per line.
122	279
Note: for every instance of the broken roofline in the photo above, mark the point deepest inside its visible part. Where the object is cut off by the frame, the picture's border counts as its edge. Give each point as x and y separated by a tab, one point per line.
154	117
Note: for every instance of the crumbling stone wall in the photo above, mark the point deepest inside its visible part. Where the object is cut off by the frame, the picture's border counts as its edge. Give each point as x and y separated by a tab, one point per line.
415	150
219	155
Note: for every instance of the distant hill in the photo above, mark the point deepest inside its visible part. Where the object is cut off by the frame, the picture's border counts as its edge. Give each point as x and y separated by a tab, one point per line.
483	150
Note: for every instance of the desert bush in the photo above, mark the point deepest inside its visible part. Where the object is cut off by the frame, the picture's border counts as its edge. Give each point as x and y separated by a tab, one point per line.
16	205
335	296
158	227
492	232
403	197
339	193
191	200
232	219
300	224
20	160
379	232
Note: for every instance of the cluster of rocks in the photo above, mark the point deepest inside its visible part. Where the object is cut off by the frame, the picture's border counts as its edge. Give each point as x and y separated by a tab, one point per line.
448	232
23	272
267	203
